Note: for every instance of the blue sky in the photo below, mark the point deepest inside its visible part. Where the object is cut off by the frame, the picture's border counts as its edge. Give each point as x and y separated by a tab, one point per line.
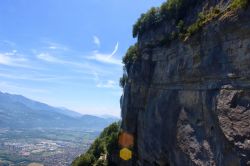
67	53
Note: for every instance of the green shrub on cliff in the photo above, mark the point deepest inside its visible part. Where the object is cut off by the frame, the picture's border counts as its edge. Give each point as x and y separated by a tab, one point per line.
209	15
203	18
131	55
169	10
175	10
85	160
99	151
239	4
152	17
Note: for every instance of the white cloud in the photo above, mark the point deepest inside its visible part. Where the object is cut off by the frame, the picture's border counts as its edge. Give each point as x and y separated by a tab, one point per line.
96	41
55	46
12	59
104	84
42	78
108	84
106	58
83	66
115	50
52	59
100	74
49	58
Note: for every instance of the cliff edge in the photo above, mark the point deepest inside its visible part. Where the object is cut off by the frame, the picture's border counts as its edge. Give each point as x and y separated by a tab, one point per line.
186	85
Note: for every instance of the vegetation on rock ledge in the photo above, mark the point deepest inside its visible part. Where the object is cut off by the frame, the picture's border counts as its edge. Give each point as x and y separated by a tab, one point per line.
170	10
176	11
131	55
239	4
99	152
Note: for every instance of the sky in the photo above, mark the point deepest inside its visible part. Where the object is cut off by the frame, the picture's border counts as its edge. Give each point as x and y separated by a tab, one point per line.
67	53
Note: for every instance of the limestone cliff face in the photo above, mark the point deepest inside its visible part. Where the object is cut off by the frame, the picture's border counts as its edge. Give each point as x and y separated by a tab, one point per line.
188	103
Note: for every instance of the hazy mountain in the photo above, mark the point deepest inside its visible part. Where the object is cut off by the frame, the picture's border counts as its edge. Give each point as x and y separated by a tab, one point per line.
17	111
110	118
68	112
36	105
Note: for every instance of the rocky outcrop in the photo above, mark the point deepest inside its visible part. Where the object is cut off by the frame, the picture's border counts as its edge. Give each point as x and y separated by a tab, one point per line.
188	103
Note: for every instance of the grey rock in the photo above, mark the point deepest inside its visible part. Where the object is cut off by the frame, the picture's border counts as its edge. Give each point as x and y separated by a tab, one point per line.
188	103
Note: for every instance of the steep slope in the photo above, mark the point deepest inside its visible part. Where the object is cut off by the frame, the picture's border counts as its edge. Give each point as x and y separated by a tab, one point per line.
19	112
103	150
186	87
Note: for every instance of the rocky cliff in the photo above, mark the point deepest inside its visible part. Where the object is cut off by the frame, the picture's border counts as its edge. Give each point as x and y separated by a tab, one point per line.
187	101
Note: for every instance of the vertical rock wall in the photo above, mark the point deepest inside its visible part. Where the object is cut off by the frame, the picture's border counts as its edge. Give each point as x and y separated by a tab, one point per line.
188	103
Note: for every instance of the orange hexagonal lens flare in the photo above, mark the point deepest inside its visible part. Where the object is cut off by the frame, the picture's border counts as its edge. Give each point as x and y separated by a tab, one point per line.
126	140
125	154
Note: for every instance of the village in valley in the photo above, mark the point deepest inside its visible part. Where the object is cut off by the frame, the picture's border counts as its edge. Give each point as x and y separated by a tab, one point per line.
56	147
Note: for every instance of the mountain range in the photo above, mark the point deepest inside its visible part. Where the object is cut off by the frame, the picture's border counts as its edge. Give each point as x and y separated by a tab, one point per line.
17	111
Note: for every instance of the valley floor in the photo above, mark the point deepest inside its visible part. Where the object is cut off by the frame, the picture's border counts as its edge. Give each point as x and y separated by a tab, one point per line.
57	147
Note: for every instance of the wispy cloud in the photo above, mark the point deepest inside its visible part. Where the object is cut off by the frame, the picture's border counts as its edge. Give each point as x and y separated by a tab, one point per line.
56	46
16	88
96	41
13	59
104	84
107	84
83	66
30	77
52	59
43	78
49	58
106	58
40	71
78	68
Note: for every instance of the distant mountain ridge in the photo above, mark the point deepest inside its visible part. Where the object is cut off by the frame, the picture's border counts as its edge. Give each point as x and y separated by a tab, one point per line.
38	105
17	111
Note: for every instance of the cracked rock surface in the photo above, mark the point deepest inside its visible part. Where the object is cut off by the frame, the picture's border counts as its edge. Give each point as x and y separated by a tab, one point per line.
188	103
